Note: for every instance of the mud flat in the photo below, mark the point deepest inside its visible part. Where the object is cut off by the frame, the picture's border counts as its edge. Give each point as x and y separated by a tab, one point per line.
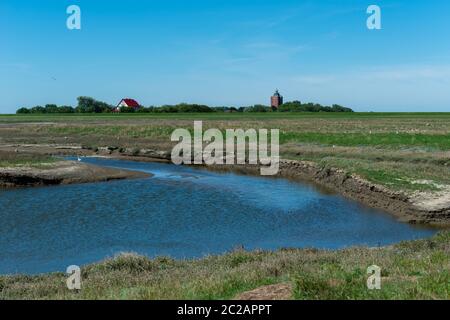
60	173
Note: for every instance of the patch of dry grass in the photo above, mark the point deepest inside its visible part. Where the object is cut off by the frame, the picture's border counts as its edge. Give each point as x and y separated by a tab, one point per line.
12	159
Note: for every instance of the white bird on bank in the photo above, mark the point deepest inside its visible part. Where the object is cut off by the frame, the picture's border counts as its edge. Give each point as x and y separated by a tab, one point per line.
79	159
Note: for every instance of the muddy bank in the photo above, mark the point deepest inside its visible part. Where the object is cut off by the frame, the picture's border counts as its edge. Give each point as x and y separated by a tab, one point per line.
60	173
398	203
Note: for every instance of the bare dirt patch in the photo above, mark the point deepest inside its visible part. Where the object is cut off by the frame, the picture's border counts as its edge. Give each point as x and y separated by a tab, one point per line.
282	291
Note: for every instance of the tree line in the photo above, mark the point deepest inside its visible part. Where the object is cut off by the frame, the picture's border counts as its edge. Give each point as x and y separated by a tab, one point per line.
85	105
91	105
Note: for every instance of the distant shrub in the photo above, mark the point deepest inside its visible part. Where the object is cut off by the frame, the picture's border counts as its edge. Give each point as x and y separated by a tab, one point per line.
257	108
23	111
145	110
182	108
37	109
297	106
51	108
127	110
66	109
90	105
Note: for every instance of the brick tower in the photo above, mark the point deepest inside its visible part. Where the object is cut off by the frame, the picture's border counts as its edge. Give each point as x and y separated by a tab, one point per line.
276	100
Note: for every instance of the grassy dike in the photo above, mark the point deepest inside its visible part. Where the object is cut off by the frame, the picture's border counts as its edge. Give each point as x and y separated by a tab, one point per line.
410	270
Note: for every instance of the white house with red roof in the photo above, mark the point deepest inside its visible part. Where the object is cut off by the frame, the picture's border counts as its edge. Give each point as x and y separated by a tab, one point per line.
127	103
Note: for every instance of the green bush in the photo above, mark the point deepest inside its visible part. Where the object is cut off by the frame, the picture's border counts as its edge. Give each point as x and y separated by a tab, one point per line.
297	106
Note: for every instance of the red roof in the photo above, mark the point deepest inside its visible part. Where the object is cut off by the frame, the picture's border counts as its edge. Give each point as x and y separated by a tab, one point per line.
131	103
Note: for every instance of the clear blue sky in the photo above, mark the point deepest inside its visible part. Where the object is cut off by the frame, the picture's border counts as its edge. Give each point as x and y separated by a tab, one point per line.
230	52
